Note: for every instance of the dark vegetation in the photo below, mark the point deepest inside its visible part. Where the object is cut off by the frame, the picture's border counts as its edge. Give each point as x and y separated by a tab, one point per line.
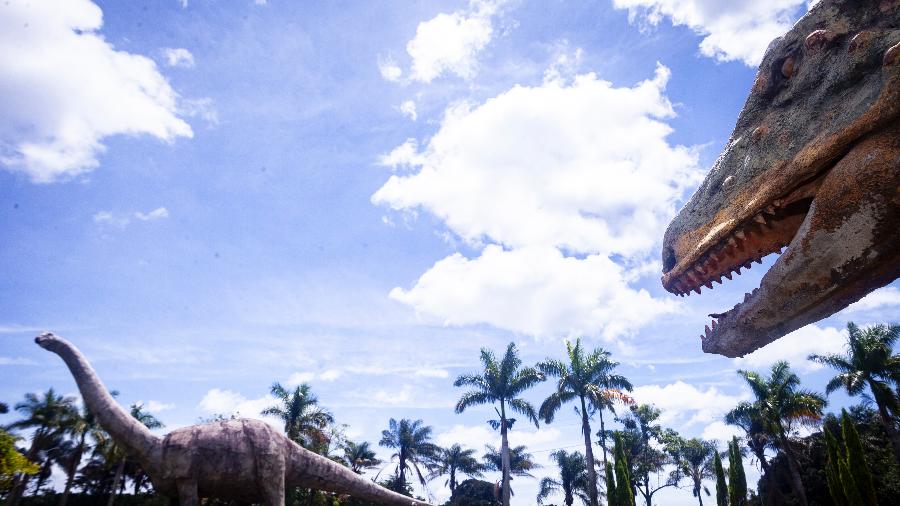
851	459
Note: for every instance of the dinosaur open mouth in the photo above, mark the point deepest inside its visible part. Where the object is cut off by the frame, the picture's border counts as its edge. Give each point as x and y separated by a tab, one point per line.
768	231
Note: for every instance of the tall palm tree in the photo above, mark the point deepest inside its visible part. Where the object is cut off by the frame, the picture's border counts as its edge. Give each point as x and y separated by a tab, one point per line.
456	460
359	457
48	415
149	421
501	382
783	406
869	362
589	380
573	479
304	421
696	461
411	441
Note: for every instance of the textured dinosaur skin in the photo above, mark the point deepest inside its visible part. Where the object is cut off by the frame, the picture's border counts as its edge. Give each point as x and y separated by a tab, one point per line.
242	460
813	165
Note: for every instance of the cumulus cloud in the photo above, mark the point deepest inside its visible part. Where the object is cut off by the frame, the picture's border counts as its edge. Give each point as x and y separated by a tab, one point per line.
886	297
178	57
601	182
533	290
408	109
450	43
389	69
795	347
683	404
65	89
731	30
156	406
721	431
228	402
156	214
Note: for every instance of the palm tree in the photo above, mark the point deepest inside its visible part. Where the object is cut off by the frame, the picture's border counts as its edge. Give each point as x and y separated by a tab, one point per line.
749	417
359	456
80	426
696	460
521	463
782	405
501	382
412	442
304	421
869	362
149	421
573	479
48	415
455	460
589	380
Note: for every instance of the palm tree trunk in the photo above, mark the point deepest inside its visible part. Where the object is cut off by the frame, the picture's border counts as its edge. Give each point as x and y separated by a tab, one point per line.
504	455
892	433
589	455
796	479
452	480
120	470
699	491
72	468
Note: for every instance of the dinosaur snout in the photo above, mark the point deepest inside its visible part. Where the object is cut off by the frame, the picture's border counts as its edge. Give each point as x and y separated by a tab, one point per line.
45	340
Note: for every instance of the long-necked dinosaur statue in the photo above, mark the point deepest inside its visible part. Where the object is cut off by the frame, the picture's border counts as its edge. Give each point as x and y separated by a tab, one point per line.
242	460
813	164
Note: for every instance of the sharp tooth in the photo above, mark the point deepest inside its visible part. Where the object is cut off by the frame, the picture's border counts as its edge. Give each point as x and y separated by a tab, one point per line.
738	270
746	297
778	203
740	235
732	242
714	324
755	290
758	260
706	328
728	275
759	219
697	289
748	264
718	280
770	210
708	284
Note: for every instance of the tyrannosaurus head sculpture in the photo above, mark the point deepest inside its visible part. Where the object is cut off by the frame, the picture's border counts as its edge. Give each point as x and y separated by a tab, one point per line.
813	165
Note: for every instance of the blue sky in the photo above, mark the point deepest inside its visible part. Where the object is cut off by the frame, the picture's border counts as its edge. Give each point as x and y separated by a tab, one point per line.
207	197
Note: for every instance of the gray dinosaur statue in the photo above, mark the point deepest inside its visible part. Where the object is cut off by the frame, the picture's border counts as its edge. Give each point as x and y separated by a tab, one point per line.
813	164
242	460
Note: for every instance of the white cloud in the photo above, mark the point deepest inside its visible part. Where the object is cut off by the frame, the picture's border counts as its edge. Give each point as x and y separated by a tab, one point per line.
603	177
683	404
535	291
450	43
65	89
227	402
721	431
602	181
123	220
178	57
260	2
202	108
427	372
888	296
731	30
298	378
389	69
408	109
795	347
16	361
156	406
156	214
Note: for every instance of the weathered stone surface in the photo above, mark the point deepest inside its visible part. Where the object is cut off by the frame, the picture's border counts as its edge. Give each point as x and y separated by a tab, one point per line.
242	460
813	164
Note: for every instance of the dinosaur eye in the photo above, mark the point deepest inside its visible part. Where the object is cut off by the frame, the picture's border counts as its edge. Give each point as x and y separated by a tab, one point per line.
788	67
